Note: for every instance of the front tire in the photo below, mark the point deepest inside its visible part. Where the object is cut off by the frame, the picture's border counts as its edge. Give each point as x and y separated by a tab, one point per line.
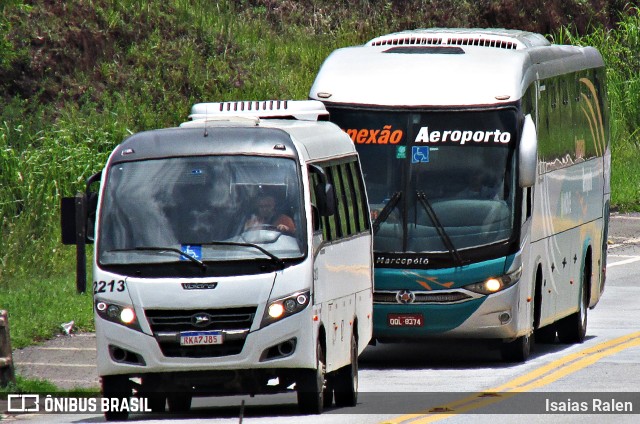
573	329
179	403
311	386
517	350
116	387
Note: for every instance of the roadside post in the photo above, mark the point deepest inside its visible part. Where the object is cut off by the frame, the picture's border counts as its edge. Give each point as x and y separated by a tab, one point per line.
7	374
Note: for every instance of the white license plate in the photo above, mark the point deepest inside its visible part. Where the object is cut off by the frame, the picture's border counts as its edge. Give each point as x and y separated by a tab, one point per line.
200	338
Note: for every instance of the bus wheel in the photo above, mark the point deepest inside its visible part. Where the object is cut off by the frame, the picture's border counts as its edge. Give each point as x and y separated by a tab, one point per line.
517	350
116	387
157	402
150	389
346	379
546	334
311	386
179	402
573	328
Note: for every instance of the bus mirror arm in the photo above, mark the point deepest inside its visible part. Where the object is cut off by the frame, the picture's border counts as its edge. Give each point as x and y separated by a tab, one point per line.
528	154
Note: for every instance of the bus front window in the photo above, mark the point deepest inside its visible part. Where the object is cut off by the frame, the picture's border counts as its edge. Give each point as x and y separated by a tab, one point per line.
208	207
439	175
471	195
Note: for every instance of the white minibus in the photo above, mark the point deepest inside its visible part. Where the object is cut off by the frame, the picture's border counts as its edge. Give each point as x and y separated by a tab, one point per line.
233	255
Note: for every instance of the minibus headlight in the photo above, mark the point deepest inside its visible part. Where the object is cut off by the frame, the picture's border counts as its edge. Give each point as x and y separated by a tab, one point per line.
284	307
495	284
119	314
276	310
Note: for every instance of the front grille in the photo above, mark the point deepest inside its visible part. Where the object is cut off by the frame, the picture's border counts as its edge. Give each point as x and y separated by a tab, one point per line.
182	320
389	297
168	324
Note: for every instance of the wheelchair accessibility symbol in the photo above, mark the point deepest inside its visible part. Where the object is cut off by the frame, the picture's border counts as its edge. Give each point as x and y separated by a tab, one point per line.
419	154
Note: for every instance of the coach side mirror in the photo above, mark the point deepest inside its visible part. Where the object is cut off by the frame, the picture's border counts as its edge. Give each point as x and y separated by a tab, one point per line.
528	154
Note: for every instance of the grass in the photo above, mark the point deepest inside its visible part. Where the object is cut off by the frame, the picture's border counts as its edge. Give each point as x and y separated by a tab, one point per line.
30	385
77	77
38	306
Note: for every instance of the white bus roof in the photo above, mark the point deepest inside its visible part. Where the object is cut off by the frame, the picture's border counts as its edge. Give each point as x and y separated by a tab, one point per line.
445	67
314	139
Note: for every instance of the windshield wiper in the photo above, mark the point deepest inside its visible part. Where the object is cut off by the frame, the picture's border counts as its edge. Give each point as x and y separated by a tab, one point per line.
386	211
422	198
163	249
273	257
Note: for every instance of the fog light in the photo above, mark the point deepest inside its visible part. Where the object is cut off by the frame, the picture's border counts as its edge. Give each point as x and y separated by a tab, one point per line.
276	310
127	315
504	317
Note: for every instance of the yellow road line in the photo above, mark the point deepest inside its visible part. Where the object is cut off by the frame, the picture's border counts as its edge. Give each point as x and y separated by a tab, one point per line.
539	377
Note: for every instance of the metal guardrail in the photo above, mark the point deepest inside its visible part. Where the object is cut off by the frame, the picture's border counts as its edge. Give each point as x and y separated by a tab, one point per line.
7	374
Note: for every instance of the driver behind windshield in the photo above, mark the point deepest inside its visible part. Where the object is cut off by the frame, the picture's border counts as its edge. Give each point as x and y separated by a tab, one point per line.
266	216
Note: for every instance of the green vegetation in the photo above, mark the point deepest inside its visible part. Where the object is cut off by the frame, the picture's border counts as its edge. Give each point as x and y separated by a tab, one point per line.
27	385
38	307
24	385
76	77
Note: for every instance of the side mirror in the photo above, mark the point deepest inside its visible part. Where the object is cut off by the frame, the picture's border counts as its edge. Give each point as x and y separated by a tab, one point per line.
528	154
78	215
330	200
325	193
72	212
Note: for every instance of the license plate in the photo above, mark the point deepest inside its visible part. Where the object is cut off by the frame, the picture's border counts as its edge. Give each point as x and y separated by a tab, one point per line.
200	338
405	320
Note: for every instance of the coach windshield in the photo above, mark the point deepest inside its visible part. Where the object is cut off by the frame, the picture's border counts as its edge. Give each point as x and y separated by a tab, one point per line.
433	176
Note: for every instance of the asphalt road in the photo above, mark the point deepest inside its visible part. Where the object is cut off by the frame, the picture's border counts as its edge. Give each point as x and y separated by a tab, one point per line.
404	383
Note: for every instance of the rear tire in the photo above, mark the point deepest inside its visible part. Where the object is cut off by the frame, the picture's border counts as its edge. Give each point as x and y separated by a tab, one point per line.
311	386
116	386
346	379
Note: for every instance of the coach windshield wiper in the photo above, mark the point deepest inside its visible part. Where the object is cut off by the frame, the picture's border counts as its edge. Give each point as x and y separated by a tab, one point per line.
424	201
163	249
278	261
386	211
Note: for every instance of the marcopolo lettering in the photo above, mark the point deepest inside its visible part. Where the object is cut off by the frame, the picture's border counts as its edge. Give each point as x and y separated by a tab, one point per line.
387	135
398	261
462	137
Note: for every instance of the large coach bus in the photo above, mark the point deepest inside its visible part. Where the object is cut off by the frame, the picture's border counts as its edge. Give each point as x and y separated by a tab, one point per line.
487	162
233	256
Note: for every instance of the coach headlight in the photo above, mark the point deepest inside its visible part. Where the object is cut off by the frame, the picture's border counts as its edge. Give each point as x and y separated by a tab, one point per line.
496	284
284	307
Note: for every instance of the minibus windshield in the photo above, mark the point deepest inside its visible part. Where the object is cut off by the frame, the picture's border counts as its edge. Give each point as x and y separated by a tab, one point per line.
212	208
